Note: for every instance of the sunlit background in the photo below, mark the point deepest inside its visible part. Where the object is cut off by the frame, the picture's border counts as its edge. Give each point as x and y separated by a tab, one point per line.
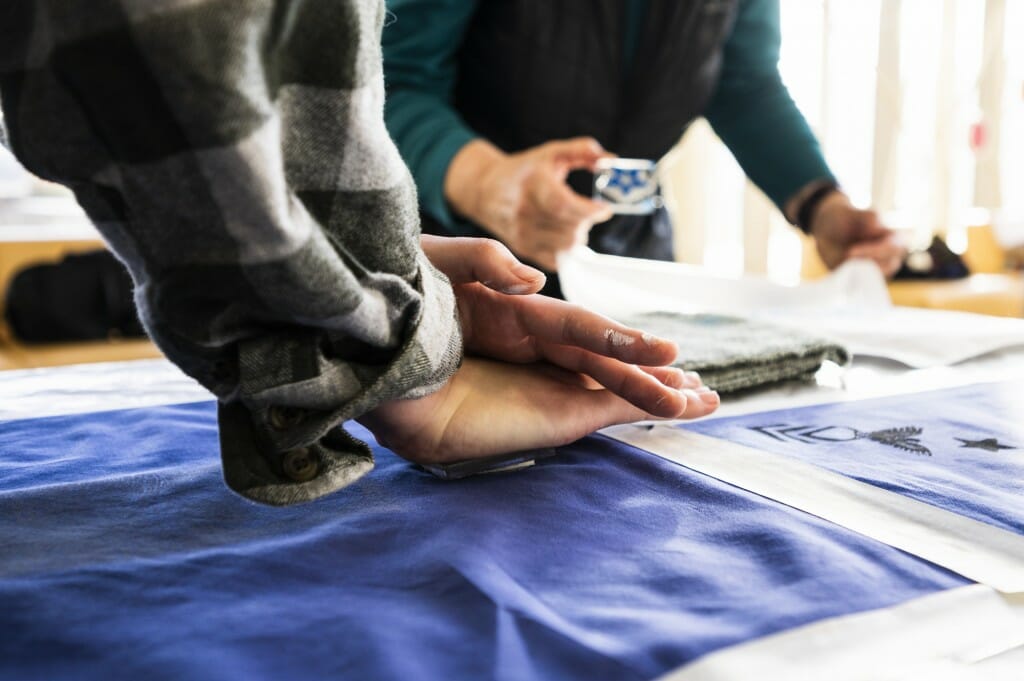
919	105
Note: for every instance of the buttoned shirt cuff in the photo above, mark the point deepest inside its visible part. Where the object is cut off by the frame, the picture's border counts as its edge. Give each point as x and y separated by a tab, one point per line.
281	447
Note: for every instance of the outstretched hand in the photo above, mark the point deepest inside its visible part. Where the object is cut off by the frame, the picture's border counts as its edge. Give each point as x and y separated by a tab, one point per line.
492	408
502	320
562	371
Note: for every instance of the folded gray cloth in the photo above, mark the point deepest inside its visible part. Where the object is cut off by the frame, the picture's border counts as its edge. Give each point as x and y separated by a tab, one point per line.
736	354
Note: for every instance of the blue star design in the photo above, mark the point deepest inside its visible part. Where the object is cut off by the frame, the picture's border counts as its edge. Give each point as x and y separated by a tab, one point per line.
627	180
989	444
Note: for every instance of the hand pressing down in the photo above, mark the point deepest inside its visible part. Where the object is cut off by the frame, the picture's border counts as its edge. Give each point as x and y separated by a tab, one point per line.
539	372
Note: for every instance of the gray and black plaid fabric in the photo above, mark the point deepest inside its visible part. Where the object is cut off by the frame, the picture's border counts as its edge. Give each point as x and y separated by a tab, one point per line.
233	153
733	354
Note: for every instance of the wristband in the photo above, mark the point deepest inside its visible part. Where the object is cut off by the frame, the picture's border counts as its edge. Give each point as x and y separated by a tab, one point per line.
810	204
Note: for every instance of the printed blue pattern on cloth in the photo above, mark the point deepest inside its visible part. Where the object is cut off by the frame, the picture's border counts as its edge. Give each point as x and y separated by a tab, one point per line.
628	185
960	449
125	556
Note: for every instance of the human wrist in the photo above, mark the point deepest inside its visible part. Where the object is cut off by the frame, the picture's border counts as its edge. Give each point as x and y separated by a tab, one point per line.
463	179
826	213
803	207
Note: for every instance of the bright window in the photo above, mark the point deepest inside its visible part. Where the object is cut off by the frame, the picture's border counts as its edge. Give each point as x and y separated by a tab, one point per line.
896	91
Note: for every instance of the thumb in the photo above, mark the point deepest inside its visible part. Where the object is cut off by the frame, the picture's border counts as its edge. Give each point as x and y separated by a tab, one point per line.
466	260
869	226
577	153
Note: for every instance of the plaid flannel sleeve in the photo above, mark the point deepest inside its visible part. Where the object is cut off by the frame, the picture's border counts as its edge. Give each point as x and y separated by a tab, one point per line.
233	154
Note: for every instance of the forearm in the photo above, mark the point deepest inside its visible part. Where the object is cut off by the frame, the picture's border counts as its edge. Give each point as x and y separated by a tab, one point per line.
462	180
274	248
429	135
770	138
419	66
754	114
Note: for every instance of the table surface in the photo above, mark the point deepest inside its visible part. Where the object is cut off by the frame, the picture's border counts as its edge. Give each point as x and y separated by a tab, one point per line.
86	389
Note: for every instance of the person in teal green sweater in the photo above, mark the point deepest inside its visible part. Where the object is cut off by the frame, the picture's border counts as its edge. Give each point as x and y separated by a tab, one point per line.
500	109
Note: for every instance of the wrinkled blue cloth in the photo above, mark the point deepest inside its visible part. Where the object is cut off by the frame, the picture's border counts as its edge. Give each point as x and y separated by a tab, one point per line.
125	556
961	449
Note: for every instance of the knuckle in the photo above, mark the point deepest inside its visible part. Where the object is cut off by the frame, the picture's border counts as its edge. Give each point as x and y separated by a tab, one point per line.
490	249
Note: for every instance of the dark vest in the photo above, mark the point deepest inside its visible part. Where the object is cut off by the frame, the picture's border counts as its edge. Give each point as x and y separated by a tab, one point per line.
532	71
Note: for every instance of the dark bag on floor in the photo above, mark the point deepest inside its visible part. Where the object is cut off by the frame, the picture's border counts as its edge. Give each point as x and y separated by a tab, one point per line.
83	297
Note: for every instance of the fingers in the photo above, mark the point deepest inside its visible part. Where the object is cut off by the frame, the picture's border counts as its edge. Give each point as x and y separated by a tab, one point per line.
516	328
886	252
869	226
576	153
559	218
592	410
553	221
846	233
493	407
557	201
596	409
466	260
557	322
675	378
604	409
660	393
668	376
561	205
548	217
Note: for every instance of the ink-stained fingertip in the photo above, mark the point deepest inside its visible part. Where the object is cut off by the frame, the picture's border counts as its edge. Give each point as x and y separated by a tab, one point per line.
663	351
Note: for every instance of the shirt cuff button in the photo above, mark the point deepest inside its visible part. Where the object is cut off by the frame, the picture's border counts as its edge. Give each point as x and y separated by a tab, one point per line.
284	418
300	465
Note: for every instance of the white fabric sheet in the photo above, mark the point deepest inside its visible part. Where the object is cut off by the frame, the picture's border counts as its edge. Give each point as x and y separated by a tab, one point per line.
81	388
851	305
971	634
980	552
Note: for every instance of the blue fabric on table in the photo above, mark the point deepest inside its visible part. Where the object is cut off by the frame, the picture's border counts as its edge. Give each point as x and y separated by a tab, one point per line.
125	556
973	436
